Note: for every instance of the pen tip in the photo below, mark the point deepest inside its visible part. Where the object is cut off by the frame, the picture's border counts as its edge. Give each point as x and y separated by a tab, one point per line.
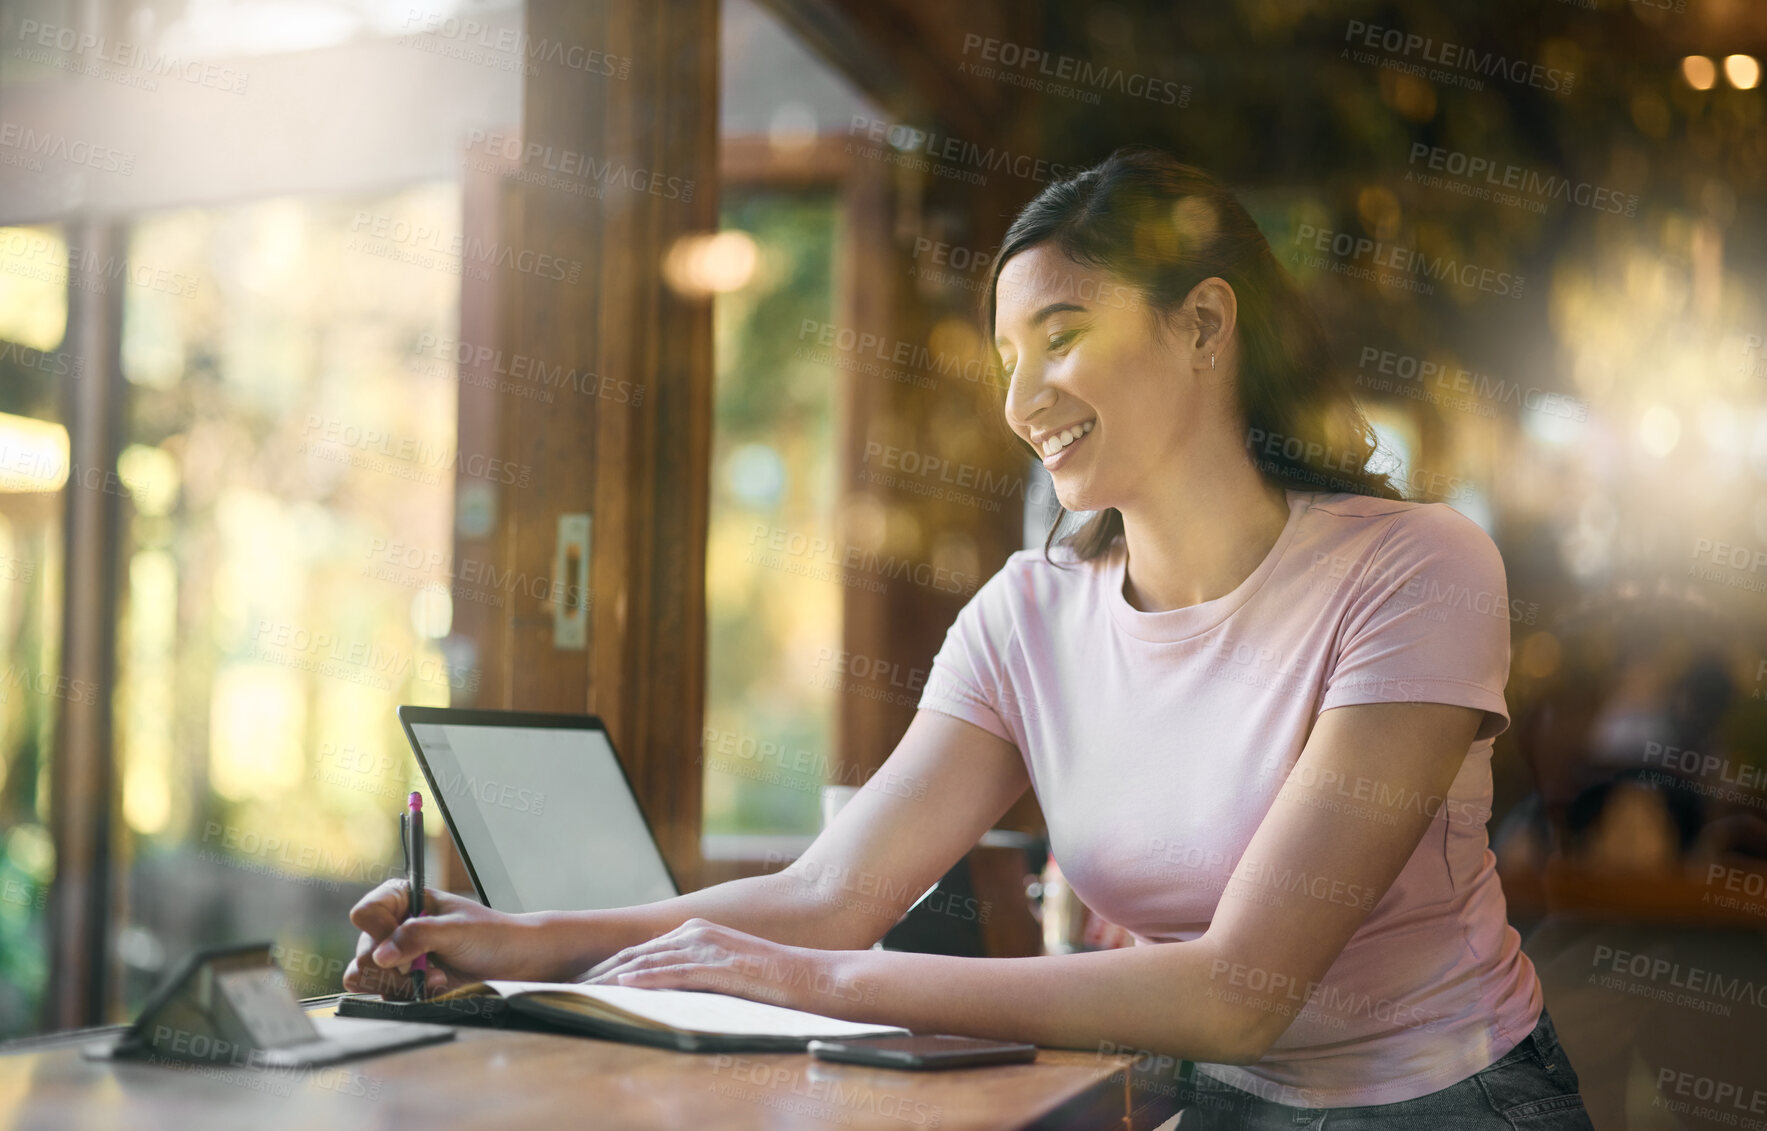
415	801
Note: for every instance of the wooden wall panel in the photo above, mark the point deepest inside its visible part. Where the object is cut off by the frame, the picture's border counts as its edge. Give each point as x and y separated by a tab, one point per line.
617	167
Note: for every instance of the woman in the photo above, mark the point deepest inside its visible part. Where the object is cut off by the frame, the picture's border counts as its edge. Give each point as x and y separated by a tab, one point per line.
1256	703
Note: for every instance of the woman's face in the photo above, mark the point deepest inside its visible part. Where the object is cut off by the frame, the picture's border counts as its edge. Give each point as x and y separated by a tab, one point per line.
1080	349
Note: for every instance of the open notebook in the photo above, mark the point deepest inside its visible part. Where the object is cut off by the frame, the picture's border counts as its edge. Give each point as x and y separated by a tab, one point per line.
688	1020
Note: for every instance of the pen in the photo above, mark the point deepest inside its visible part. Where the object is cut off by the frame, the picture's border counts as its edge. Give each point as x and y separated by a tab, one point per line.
411	829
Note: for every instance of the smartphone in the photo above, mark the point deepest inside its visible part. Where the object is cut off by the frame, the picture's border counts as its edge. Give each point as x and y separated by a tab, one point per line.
929	1050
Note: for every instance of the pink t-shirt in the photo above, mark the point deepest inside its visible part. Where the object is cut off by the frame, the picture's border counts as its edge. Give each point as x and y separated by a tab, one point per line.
1157	741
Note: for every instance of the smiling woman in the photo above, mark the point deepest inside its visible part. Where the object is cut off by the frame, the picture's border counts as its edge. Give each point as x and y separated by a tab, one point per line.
1265	691
1143	243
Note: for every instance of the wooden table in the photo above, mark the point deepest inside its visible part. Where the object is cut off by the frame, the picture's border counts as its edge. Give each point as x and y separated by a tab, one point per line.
507	1079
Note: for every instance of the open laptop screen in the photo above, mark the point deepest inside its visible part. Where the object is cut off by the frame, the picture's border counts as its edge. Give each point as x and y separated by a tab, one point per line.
543	815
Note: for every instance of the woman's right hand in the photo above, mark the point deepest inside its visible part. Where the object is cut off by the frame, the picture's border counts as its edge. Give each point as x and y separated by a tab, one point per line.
466	942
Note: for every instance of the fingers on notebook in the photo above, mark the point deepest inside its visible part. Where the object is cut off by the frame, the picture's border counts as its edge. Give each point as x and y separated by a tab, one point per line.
695	935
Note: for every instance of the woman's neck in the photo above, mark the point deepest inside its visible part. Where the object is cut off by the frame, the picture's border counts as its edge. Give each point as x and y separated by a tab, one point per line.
1200	543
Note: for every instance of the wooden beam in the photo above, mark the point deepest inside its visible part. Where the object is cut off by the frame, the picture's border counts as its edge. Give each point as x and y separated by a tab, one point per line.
620	166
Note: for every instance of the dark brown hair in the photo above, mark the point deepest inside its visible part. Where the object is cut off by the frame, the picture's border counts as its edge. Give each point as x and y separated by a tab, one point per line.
1162	227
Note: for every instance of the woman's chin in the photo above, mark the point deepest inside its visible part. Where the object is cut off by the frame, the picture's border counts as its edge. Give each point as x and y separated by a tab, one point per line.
1075	499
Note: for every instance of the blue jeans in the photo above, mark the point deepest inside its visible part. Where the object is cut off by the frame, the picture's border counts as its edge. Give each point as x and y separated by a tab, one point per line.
1532	1086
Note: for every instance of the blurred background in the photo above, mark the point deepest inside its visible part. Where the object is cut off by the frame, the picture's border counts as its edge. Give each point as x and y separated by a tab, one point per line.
317	315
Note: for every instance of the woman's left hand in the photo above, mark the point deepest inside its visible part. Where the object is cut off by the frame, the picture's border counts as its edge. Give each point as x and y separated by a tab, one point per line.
702	955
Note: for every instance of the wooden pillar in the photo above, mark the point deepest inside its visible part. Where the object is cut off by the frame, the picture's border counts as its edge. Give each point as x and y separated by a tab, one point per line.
620	145
82	776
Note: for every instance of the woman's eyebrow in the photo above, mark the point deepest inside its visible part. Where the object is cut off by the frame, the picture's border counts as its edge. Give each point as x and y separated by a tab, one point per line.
1043	315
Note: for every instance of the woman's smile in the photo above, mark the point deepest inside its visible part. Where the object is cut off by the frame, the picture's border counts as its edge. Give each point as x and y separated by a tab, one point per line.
1057	448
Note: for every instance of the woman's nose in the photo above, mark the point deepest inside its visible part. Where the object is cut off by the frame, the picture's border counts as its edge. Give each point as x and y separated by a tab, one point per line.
1026	393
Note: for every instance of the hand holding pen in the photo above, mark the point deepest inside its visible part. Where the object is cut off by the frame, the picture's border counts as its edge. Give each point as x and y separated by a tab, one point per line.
411	834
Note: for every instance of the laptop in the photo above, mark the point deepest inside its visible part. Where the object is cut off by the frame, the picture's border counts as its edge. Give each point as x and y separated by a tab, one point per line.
540	809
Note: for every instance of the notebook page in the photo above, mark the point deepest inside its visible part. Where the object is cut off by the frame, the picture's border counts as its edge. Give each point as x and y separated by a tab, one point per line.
700	1012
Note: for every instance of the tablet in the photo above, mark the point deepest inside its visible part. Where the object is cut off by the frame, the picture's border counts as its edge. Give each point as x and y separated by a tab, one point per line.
540	809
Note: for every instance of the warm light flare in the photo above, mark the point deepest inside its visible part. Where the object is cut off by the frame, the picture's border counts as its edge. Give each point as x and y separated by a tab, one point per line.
1699	72
33	455
1742	71
708	264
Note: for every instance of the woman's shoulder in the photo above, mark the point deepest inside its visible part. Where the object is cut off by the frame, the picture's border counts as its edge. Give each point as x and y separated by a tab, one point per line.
1393	537
1398	522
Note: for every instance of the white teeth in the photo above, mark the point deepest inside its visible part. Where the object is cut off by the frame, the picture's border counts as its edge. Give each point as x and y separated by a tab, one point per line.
1066	437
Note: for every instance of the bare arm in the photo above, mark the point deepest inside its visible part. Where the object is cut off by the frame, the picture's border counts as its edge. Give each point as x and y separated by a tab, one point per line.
1318	864
1307	881
945	784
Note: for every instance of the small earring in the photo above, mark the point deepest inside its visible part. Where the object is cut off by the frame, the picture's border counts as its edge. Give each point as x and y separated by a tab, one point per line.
1211	361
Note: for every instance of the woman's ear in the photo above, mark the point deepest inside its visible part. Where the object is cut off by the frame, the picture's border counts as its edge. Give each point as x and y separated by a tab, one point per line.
1217	309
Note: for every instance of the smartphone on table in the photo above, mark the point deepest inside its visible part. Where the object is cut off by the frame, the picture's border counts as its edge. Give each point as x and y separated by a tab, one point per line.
923	1051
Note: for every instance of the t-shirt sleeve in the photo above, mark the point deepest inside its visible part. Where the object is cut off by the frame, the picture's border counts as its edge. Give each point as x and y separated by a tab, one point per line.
1429	621
966	679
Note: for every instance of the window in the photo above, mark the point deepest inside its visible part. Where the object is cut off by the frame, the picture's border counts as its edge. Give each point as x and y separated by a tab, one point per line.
35	367
289	457
773	601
